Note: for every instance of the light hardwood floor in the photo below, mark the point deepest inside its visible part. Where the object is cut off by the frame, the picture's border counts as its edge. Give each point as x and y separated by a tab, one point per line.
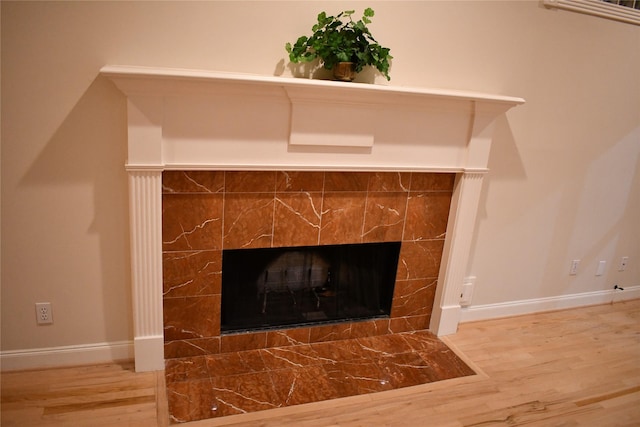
577	367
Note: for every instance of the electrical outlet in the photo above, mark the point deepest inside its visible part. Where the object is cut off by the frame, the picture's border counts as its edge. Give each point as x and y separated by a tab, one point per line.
600	269
573	270
467	291
623	263
44	316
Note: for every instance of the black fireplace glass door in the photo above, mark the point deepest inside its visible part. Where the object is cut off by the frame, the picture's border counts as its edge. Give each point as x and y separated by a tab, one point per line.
286	287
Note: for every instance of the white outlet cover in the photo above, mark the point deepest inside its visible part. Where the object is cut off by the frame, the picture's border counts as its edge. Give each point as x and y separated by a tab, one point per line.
44	315
600	269
467	293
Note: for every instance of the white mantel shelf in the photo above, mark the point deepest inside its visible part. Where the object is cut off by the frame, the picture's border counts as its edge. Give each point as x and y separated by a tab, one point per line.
361	126
383	93
202	120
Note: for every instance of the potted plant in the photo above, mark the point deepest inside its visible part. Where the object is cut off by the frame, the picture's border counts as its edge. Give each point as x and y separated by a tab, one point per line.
340	42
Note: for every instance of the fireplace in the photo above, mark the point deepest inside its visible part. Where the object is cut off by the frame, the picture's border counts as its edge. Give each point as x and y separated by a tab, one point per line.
193	121
273	288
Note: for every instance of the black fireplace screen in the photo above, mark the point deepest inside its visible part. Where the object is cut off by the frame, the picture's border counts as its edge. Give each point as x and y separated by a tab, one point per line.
287	287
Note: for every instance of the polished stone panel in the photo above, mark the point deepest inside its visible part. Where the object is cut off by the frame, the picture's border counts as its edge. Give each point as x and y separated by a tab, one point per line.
419	259
346	181
193	182
390	181
191	273
260	379
432	181
191	222
413	297
248	220
297	219
191	347
427	215
250	182
342	217
384	217
191	317
292	181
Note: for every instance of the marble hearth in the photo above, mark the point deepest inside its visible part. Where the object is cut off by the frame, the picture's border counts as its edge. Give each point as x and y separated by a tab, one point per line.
182	123
240	382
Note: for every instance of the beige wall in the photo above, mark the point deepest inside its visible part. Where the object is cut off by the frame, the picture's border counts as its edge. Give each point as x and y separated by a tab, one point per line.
564	180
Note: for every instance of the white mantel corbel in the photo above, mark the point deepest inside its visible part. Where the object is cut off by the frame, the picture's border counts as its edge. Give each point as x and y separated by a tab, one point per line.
200	120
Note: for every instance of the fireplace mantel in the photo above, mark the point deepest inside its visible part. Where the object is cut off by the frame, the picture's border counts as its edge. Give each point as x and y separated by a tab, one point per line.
201	120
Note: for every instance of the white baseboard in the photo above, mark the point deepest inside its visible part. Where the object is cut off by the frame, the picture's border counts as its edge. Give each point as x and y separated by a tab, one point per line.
516	308
84	354
71	355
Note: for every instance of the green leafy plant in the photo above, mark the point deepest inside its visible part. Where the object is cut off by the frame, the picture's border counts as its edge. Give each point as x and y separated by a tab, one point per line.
341	39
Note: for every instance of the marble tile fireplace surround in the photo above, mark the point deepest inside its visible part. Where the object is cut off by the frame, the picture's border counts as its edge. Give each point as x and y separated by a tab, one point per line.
206	212
226	159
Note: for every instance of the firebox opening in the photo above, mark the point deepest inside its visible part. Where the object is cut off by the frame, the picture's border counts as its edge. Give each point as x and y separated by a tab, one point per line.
287	287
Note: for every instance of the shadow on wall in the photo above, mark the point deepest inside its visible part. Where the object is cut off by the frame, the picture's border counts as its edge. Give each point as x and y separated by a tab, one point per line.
505	164
85	158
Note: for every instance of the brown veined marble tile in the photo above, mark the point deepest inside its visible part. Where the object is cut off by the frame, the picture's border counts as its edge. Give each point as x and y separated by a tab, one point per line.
413	297
191	400
335	332
250	181
384	217
243	341
370	328
423	341
427	215
192	181
237	394
342	218
409	323
384	345
302	385
425	181
336	351
191	273
191	317
419	259
297	219
235	363
346	181
389	181
191	222
287	337
192	347
358	376
289	357
184	369
248	220
293	181
405	370
344	383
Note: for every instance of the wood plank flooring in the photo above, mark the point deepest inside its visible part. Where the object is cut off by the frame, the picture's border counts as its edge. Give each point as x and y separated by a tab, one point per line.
578	367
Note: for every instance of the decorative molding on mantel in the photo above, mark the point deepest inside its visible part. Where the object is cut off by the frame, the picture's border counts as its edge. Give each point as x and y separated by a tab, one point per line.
201	120
323	112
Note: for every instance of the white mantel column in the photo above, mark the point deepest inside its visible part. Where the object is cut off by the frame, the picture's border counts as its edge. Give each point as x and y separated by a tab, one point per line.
144	165
145	210
462	223
455	256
